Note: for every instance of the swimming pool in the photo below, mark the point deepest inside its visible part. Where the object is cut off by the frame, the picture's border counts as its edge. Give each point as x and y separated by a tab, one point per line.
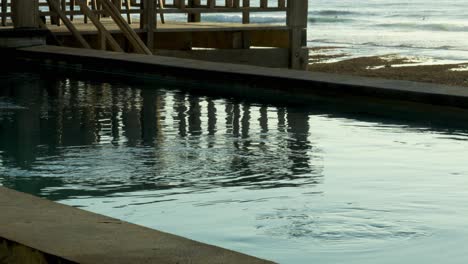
289	183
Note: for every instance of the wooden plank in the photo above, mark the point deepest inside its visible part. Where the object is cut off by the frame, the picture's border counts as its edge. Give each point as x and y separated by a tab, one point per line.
263	3
103	32
56	8
275	58
190	10
174	40
180	27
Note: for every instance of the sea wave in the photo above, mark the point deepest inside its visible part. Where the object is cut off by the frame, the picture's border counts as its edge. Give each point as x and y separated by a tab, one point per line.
382	45
318	20
424	26
261	19
334	13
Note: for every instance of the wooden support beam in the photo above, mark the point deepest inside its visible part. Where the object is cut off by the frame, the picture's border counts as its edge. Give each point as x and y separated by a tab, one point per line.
50	35
132	37
297	22
56	8
103	32
25	13
263	3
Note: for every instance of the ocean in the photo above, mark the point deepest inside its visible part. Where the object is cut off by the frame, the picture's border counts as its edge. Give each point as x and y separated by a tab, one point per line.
434	31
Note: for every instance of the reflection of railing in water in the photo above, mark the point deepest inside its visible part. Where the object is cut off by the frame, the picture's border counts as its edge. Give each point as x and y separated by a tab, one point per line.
245	135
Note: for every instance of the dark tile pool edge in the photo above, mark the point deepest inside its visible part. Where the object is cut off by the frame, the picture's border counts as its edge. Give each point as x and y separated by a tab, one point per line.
246	79
32	229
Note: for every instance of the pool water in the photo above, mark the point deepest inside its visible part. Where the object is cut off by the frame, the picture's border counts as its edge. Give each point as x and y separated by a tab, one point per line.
289	183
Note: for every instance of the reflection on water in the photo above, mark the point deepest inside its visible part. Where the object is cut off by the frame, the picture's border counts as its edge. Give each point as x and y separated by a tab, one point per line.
147	139
288	183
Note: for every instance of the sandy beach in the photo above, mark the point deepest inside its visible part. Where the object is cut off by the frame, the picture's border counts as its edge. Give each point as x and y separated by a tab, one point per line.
390	66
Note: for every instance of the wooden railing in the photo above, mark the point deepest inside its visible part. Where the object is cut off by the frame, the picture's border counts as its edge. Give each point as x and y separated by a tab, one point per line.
193	8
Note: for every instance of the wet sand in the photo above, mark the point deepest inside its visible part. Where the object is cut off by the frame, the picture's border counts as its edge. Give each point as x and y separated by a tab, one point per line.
390	67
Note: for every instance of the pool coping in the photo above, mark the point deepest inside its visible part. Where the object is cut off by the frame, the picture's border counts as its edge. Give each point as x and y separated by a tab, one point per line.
293	82
35	229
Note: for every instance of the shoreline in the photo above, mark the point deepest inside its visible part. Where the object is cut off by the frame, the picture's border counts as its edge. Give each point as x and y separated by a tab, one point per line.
391	66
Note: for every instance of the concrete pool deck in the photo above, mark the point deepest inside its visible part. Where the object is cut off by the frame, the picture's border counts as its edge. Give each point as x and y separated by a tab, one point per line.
246	79
35	230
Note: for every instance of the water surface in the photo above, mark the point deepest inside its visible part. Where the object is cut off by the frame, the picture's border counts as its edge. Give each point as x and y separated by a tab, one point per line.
290	183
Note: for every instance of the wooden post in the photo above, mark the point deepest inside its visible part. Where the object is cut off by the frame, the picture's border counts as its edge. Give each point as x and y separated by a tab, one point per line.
150	18
72	9
55	19
193	17
25	13
245	14
211	3
161	6
4	12
281	3
128	8
297	22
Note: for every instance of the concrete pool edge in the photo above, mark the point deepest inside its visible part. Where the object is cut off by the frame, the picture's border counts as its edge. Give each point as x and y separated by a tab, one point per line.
296	83
36	229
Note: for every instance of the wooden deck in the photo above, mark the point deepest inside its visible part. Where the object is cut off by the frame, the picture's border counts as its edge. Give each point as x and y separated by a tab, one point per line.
137	26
